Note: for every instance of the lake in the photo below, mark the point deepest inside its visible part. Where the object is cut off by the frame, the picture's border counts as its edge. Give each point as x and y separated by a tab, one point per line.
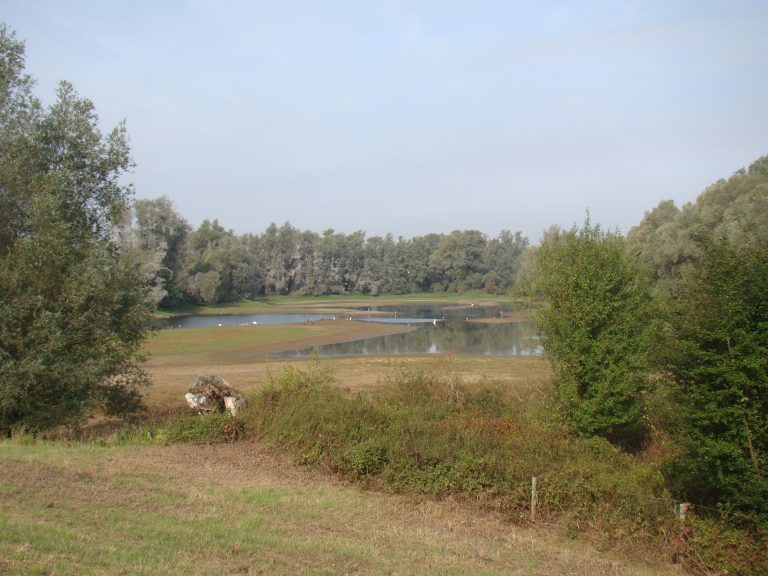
194	321
436	330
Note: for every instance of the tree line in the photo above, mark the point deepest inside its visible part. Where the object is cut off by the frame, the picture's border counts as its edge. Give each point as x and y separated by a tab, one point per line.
211	264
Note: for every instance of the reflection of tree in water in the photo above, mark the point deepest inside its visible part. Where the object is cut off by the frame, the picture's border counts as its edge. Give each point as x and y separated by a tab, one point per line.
445	312
459	337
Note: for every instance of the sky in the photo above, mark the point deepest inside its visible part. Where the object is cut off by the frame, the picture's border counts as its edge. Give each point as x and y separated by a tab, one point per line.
411	117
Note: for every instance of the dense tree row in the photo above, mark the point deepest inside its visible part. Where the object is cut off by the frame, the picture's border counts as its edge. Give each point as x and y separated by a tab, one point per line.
733	210
668	330
212	264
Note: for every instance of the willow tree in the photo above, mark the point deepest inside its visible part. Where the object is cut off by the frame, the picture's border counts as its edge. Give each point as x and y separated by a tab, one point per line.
72	310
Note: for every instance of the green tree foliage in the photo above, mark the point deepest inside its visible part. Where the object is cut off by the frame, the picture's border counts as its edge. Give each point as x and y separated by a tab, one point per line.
669	238
220	266
503	258
592	323
715	352
153	236
161	231
457	263
212	264
72	310
654	244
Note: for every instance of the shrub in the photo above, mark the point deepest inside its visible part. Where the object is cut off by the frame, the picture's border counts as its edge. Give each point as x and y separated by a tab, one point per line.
715	354
592	330
708	545
205	428
432	434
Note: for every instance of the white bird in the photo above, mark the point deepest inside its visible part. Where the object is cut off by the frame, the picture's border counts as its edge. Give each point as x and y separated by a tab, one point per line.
434	322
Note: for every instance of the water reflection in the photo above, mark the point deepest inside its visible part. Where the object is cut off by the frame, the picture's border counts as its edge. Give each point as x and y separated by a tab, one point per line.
416	313
436	330
518	339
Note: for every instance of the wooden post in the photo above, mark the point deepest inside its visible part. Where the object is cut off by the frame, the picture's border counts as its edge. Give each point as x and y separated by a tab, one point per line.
534	499
682	511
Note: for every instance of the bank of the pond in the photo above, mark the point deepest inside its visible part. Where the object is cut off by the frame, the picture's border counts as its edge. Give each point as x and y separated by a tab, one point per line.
240	354
507	318
238	343
350	304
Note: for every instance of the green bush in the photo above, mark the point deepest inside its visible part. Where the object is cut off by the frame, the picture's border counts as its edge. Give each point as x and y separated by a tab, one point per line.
432	434
205	428
592	323
708	545
714	352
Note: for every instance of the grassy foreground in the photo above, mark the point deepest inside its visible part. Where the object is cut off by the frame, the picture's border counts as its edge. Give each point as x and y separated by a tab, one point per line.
180	497
78	509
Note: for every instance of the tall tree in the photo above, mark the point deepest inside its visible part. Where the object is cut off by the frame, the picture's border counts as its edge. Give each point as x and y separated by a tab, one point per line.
457	262
715	353
592	328
72	311
163	231
502	259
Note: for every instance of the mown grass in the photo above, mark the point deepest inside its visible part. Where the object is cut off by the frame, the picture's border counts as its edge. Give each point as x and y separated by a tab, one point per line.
142	524
81	509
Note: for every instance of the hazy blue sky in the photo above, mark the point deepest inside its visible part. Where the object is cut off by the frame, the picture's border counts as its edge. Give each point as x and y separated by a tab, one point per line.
412	116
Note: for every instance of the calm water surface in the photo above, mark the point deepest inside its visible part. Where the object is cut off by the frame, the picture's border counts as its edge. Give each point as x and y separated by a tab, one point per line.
435	330
438	330
193	321
459	337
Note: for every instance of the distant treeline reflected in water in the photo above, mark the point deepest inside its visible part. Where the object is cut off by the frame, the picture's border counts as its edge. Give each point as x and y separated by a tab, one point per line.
457	336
